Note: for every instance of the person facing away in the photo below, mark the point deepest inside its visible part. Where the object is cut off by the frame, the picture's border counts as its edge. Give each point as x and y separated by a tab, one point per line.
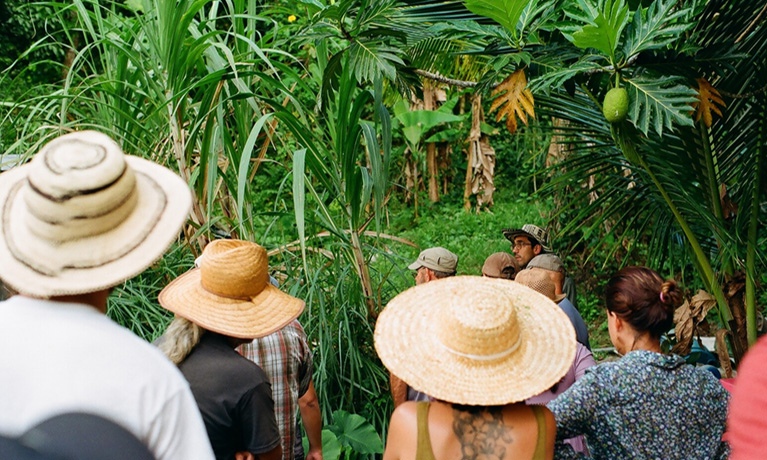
286	359
551	265
495	351
531	241
500	265
78	219
431	264
647	405
540	282
225	303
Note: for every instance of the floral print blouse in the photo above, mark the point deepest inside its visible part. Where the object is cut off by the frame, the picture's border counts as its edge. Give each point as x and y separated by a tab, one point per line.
645	406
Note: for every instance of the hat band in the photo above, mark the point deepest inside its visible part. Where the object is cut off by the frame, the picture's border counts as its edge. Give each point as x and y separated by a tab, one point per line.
492	357
227	296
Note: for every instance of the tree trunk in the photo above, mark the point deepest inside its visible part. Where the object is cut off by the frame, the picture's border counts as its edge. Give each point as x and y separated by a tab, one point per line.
431	148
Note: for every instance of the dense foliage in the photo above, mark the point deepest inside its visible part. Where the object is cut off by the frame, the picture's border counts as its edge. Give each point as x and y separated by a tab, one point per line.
320	128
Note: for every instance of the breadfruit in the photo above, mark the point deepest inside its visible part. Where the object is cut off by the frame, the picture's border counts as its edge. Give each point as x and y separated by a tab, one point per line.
616	105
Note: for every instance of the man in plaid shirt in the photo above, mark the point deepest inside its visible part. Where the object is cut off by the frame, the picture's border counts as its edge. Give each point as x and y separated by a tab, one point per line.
287	360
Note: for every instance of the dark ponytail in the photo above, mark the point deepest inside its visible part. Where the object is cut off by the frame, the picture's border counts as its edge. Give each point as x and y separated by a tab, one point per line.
641	297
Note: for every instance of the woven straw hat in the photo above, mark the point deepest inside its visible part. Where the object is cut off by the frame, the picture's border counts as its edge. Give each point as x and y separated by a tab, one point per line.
230	293
473	340
538	280
82	216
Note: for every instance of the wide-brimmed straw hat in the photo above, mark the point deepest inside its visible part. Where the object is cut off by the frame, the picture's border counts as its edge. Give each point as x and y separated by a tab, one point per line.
230	293
476	341
82	216
538	280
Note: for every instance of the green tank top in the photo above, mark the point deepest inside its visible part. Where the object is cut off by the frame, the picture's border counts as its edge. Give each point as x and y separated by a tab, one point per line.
424	451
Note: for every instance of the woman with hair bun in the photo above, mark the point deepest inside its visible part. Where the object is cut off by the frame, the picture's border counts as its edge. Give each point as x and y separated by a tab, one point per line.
647	405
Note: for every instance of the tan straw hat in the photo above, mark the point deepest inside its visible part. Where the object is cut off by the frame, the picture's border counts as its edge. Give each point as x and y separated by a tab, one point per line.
473	340
230	293
539	281
82	216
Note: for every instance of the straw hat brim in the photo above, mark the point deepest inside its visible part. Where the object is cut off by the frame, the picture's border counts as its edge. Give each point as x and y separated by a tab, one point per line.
100	261
252	318
407	342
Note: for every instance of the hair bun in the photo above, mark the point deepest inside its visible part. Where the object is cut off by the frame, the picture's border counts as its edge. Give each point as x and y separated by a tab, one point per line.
670	296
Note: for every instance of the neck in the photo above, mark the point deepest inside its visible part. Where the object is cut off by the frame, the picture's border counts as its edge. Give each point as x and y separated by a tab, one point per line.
645	342
97	300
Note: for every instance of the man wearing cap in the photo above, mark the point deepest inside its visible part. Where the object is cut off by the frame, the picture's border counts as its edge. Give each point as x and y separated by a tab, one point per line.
530	241
431	264
434	263
500	265
80	218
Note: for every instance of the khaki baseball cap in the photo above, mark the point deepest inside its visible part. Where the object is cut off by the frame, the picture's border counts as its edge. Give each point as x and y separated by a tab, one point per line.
530	231
500	265
547	262
439	259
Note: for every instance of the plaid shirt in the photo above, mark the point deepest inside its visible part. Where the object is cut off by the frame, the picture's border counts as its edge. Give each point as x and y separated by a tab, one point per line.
287	360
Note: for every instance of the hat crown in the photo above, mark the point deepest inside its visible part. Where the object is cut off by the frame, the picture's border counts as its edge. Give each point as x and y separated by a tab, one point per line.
78	186
538	281
489	330
234	269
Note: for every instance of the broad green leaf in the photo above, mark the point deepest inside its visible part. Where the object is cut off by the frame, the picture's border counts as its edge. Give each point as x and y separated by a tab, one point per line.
658	103
662	23
331	448
354	431
417	122
504	12
603	30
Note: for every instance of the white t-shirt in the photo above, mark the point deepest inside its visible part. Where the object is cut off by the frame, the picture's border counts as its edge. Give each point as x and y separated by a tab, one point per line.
60	357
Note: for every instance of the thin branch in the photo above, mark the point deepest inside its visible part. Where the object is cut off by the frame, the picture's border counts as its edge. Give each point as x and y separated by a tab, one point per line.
449	81
744	95
751	26
473	84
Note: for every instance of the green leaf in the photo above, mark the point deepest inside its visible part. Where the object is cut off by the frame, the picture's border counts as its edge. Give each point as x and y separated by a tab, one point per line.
354	431
662	23
604	28
373	58
504	12
659	102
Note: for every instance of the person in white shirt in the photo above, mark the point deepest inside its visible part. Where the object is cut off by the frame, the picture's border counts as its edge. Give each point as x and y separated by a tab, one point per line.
78	219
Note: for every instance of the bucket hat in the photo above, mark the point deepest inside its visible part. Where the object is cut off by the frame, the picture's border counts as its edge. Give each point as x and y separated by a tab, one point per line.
82	216
539	281
500	265
439	259
531	231
230	293
476	341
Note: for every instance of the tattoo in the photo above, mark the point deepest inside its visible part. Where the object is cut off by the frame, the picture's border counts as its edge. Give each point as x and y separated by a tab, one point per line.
482	434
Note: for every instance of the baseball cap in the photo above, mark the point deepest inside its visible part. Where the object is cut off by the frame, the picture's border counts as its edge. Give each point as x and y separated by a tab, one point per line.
531	231
547	262
439	259
500	265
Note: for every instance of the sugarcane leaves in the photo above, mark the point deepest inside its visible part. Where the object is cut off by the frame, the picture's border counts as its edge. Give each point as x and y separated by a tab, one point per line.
605	22
514	100
708	101
659	103
656	27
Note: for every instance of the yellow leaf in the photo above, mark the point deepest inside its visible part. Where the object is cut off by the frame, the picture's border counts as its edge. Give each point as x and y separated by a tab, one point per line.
708	100
514	100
